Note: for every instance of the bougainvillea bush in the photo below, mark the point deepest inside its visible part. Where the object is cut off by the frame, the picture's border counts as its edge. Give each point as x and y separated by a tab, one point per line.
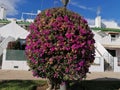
60	45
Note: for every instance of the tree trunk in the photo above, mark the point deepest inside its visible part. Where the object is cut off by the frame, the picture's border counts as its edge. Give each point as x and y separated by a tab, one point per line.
49	85
52	85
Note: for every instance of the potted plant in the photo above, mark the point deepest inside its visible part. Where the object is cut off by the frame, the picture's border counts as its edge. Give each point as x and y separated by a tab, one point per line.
60	46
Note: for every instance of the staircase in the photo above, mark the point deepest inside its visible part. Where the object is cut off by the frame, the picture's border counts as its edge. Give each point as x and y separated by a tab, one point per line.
109	59
102	52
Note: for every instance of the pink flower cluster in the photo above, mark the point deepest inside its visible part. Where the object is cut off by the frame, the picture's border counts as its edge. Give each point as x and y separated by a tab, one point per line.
60	45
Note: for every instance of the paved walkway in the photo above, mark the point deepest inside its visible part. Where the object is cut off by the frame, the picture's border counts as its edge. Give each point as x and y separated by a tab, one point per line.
16	75
27	75
103	76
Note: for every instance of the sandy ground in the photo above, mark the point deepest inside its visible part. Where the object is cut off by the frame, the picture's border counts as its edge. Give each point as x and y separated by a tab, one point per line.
16	75
27	75
103	76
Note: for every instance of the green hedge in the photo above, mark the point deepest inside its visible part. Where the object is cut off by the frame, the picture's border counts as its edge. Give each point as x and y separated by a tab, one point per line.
107	29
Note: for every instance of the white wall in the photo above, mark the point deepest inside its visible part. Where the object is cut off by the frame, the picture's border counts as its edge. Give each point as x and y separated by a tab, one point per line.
97	37
116	67
9	64
97	68
106	40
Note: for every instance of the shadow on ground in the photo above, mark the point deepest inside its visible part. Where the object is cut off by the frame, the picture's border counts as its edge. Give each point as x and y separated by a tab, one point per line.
97	84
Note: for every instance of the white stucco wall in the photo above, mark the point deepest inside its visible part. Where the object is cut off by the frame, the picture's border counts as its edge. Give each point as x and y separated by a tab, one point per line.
11	64
116	67
97	37
97	68
106	40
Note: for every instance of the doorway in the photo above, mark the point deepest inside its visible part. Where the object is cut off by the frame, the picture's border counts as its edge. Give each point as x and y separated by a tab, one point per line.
112	52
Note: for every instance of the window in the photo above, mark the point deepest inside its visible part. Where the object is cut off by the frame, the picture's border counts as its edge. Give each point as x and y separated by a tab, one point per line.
112	52
113	37
15	66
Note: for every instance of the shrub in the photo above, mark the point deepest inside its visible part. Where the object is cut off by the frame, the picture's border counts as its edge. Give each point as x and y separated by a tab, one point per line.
60	45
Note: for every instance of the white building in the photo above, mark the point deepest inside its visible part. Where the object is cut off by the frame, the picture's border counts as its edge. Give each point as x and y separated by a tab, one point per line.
12	32
107	37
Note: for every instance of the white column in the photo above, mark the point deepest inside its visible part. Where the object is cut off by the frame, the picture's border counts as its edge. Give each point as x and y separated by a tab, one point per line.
2	13
98	21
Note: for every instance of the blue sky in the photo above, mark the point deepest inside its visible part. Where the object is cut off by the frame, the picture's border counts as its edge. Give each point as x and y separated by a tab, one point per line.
87	8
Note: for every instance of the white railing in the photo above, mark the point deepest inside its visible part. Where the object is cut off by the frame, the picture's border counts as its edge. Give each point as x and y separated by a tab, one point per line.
113	39
103	52
4	43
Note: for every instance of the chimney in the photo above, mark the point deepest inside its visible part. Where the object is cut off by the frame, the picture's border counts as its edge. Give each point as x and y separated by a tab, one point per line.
39	11
2	12
98	21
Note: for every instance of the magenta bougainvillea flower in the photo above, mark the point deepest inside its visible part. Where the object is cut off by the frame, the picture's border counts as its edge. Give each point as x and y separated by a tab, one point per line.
60	45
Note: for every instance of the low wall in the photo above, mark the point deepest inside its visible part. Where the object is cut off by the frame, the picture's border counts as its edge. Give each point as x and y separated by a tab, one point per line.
98	65
13	64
